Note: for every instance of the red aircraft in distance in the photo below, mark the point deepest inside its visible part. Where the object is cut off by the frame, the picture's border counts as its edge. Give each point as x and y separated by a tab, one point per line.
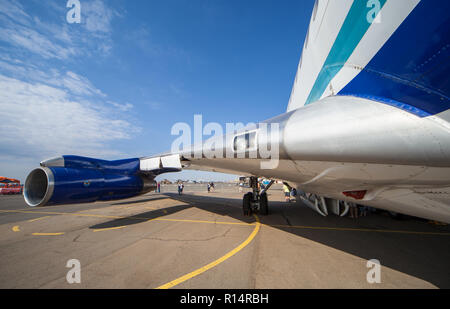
10	186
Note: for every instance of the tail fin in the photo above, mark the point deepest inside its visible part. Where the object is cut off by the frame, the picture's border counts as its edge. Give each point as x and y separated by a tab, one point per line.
366	47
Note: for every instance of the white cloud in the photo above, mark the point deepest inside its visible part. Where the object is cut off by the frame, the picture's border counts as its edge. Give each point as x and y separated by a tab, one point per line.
14	10
55	31
74	83
97	16
41	121
25	32
58	40
121	107
46	107
80	85
35	42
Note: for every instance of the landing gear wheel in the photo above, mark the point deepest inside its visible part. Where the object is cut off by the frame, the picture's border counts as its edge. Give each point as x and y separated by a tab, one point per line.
246	204
264	204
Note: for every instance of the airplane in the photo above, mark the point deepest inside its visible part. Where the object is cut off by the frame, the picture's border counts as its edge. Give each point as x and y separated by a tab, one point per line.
367	123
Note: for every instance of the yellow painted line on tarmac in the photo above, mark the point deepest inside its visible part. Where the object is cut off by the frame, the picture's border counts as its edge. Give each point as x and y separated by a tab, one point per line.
357	230
109	228
202	221
138	205
131	218
201	270
37	219
231	223
47	234
63	213
17	229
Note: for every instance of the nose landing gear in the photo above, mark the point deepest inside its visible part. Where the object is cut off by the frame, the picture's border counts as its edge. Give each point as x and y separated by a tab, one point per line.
256	201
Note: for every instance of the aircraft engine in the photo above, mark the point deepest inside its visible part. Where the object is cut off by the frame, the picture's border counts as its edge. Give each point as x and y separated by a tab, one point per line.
73	179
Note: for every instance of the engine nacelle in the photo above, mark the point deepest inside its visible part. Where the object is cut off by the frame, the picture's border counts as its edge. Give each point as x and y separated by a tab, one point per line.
71	179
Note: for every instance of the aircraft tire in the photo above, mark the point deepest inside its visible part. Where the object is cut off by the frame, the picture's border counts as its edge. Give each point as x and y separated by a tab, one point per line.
246	204
264	204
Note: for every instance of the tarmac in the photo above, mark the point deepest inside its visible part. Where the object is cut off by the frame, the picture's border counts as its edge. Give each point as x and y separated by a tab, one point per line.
201	240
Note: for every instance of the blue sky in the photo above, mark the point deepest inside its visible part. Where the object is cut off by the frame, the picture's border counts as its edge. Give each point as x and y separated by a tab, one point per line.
114	85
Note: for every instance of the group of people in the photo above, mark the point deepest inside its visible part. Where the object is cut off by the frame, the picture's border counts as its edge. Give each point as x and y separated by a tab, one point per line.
181	187
355	210
358	210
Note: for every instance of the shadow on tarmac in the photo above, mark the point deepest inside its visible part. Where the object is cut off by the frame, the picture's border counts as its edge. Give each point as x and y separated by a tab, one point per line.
140	201
142	217
420	255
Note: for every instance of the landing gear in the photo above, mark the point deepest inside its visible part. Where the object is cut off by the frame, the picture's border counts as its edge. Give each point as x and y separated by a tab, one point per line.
256	201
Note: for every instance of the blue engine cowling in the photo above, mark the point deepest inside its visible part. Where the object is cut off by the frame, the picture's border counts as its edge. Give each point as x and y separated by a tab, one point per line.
72	179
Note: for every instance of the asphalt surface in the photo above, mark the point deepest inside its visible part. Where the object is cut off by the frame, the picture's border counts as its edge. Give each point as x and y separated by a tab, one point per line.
201	240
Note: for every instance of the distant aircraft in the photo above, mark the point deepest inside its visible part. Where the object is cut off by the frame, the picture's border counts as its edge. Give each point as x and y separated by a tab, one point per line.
6	180
367	123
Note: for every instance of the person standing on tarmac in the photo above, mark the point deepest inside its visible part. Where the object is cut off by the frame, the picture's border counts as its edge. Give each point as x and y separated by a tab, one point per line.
287	193
353	210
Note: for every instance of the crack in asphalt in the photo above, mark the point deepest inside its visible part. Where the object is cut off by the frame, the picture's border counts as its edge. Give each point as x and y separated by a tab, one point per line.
224	234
